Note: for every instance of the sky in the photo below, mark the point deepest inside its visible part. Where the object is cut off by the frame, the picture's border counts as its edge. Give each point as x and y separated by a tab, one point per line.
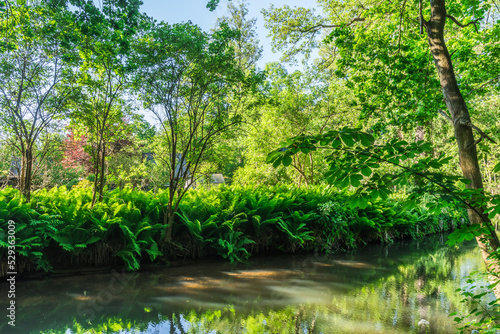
177	11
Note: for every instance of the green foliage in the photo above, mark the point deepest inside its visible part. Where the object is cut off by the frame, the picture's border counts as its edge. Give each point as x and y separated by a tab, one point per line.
375	171
125	226
233	222
295	227
483	315
231	246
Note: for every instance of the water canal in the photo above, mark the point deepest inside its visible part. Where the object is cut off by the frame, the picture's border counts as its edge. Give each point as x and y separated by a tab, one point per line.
385	289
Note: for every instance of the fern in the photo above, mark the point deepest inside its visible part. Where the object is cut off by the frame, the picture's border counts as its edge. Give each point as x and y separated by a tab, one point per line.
231	220
231	247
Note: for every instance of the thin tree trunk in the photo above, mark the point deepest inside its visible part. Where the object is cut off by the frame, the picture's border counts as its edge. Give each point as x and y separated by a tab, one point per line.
312	167
168	220
103	163
457	107
24	182
22	172
28	174
420	133
96	175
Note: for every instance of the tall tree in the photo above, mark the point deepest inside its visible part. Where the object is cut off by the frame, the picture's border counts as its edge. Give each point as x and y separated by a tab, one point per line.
246	45
35	78
227	153
106	34
382	51
185	79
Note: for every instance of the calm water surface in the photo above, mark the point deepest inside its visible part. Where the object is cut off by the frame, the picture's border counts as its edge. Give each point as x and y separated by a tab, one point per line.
385	289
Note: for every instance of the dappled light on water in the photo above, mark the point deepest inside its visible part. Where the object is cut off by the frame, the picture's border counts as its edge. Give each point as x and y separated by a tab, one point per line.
352	264
378	289
262	274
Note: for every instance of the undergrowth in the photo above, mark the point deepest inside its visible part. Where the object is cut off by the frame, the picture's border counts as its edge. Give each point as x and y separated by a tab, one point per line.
59	229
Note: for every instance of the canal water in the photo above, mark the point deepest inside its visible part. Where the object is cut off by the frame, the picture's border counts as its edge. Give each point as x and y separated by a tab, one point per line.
385	289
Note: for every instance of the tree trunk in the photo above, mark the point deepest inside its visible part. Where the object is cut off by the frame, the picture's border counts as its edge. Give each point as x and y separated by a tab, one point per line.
101	180
25	177
26	174
168	220
99	173
96	175
420	133
22	173
462	126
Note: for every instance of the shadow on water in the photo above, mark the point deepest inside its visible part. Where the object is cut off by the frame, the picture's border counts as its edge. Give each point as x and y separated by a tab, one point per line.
385	289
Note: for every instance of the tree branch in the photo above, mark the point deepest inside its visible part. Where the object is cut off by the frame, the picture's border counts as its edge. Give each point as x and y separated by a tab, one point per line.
483	135
322	26
484	84
464	25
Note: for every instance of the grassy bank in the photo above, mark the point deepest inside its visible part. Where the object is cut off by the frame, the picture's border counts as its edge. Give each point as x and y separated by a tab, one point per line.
59	230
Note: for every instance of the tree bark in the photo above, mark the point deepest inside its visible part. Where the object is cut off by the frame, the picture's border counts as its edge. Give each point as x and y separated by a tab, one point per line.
168	220
457	107
25	176
96	175
103	164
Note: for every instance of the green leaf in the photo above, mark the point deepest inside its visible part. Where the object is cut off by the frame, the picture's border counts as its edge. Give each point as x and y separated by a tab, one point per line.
272	156
348	140
497	168
354	180
336	143
366	139
469	236
366	171
287	160
465	181
344	182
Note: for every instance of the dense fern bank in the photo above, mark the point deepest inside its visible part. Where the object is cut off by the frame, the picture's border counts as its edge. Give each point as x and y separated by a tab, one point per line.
58	229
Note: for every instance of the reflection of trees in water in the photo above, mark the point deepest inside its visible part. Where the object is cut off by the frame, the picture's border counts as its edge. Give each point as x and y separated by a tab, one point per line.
398	296
402	299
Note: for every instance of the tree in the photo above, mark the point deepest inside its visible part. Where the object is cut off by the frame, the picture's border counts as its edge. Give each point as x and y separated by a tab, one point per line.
105	71
247	50
380	51
226	155
74	152
296	103
461	118
35	79
185	78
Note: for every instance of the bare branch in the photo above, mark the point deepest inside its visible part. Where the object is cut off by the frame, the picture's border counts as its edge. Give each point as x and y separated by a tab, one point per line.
464	25
323	26
481	132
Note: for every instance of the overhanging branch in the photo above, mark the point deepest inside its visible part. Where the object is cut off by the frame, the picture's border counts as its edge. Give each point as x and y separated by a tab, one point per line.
483	85
481	132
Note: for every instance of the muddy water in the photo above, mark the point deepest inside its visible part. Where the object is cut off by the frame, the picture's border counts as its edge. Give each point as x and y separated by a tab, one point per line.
385	289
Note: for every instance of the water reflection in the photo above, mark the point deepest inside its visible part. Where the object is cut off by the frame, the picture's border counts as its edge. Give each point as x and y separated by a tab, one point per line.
378	289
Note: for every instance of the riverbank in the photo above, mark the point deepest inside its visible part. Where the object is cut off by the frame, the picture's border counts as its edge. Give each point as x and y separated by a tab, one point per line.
58	230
